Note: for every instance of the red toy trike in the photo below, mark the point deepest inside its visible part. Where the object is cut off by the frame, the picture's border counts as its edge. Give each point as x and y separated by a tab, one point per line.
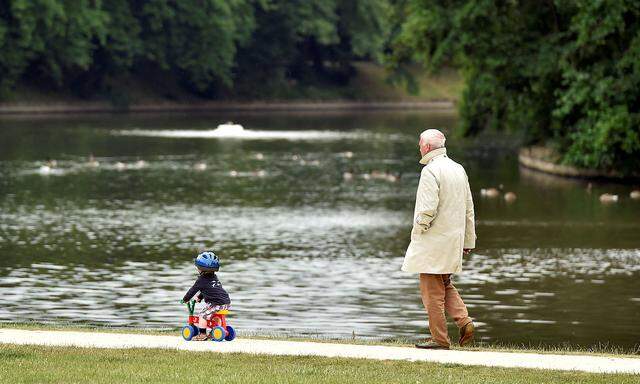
218	324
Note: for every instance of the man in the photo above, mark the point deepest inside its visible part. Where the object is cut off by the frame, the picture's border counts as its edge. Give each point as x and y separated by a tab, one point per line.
443	229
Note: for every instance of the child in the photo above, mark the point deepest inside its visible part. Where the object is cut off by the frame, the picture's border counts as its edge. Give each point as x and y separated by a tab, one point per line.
210	289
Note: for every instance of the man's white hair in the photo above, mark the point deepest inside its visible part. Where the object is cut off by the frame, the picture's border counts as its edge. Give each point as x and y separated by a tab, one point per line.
433	137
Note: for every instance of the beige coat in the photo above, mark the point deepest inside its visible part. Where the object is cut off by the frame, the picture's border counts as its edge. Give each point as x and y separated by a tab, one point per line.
443	218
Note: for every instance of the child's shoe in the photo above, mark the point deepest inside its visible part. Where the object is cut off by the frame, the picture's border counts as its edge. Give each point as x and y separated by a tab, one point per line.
201	337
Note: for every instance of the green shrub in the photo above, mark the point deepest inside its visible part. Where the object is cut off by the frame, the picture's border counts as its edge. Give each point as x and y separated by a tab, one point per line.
566	73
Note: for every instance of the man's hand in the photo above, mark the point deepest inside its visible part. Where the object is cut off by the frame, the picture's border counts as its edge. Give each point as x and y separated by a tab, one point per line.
423	220
467	251
198	299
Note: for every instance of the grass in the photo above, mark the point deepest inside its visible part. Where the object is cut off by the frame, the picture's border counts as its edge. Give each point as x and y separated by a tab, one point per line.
370	83
30	364
597	350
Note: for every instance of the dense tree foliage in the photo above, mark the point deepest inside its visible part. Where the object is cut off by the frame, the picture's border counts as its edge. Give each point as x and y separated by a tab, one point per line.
565	72
312	40
206	46
562	71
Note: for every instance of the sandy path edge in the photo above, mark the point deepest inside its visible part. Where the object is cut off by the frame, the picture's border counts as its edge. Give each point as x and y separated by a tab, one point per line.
597	364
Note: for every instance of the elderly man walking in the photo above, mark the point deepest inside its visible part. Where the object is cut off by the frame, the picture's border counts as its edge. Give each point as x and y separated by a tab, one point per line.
443	229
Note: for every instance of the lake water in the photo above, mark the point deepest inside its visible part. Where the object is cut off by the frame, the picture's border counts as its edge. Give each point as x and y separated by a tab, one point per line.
303	250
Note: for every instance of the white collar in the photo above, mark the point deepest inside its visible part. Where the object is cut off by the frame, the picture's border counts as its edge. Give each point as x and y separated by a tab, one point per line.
432	154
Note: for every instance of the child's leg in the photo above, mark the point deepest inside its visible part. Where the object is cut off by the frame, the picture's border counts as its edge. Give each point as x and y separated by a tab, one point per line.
205	315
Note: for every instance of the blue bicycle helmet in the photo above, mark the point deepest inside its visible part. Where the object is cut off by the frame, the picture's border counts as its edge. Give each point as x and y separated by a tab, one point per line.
207	261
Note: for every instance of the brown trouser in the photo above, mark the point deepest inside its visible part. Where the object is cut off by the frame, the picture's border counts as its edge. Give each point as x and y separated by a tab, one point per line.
439	295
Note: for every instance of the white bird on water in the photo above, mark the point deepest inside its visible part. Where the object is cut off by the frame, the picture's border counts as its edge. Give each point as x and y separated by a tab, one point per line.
47	168
44	170
93	163
392	178
510	197
608	198
489	192
140	164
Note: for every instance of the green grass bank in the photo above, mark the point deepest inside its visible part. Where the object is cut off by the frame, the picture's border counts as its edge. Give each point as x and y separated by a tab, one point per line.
29	364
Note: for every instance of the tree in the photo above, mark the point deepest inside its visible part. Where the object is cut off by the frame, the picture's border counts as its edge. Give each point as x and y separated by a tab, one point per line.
197	40
310	41
207	47
50	36
565	73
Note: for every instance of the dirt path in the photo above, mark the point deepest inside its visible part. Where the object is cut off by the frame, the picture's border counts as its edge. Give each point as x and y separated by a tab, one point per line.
599	364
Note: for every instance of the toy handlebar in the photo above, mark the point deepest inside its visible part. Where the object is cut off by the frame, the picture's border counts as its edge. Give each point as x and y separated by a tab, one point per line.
191	305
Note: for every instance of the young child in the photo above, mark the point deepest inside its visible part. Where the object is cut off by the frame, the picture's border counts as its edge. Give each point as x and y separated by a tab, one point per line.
210	289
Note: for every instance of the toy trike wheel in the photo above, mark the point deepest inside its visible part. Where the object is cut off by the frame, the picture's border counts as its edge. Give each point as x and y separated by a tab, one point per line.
189	332
218	334
231	333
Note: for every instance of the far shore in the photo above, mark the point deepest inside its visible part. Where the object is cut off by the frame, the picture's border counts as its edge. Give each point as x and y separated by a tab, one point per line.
213	106
546	160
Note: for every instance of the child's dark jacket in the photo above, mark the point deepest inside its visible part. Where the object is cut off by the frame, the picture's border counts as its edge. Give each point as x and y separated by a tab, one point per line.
210	289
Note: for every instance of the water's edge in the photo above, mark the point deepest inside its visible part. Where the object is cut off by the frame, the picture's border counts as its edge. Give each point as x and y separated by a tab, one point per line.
333	105
543	159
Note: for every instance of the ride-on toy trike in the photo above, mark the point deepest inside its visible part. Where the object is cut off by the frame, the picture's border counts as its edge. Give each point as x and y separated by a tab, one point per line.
218	324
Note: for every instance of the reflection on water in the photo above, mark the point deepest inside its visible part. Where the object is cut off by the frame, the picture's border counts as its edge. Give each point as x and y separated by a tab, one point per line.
185	228
305	249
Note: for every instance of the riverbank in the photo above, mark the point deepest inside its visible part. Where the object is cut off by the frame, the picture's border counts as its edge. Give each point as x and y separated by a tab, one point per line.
546	160
211	106
369	89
